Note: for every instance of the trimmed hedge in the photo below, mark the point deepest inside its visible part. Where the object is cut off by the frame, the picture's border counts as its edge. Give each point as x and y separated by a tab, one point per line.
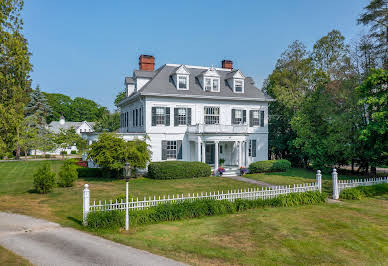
178	170
89	172
198	208
360	192
269	166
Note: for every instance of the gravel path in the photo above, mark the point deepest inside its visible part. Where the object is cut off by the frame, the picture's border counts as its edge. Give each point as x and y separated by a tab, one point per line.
248	180
46	243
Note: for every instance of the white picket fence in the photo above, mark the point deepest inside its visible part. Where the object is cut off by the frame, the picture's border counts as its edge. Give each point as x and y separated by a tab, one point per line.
230	195
339	185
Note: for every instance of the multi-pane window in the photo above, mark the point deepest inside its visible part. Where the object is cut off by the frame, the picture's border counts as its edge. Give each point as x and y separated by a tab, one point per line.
238	116
171	149
160	115
212	115
252	148
208	84
255	118
182	82
182	116
238	85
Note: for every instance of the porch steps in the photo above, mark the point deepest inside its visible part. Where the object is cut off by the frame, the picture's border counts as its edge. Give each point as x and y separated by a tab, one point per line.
231	171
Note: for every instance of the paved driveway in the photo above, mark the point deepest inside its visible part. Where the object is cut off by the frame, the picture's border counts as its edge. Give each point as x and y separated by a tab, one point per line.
46	243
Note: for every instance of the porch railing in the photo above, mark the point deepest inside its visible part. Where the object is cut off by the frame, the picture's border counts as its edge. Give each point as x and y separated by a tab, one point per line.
204	128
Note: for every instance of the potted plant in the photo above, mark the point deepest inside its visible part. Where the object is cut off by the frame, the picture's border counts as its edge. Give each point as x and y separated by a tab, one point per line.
221	161
243	170
220	170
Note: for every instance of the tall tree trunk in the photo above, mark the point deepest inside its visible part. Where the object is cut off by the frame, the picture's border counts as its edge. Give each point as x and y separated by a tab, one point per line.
373	170
17	156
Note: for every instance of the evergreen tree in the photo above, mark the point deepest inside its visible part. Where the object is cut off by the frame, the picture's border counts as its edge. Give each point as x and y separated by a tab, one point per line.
376	16
38	106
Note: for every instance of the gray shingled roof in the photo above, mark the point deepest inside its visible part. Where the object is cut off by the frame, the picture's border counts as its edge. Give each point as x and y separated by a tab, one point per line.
162	83
55	126
129	80
143	74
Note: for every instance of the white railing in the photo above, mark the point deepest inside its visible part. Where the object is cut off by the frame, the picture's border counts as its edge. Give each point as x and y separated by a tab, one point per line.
203	128
230	195
339	185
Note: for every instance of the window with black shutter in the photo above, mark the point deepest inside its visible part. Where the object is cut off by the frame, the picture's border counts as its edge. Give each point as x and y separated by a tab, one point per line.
239	116
254	118
160	116
252	148
180	116
262	118
171	149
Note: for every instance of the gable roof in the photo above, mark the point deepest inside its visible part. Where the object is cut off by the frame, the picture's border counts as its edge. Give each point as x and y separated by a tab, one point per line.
162	84
55	126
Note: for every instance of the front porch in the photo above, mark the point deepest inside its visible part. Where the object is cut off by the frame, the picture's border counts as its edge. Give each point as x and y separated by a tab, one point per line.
232	150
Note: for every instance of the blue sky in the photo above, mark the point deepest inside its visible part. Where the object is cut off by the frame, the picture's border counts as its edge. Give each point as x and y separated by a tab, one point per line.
86	48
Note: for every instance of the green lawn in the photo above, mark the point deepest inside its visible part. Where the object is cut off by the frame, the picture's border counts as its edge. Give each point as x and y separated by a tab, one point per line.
64	205
352	232
11	259
297	176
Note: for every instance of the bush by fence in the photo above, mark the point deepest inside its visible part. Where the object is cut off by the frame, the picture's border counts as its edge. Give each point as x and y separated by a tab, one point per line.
197	208
178	170
360	192
269	166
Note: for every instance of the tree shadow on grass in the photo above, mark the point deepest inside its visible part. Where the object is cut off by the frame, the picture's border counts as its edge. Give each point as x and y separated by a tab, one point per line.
77	221
98	179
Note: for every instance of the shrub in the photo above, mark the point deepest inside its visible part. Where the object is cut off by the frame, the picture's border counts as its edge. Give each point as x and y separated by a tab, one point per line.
90	172
201	208
106	220
73	152
178	169
44	179
68	174
358	193
63	152
47	156
269	166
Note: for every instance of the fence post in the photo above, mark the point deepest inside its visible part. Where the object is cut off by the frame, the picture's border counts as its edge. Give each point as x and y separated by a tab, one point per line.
335	184
86	202
319	180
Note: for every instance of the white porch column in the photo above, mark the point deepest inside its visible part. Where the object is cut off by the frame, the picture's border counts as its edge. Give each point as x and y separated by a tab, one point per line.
204	152
246	154
198	150
216	155
239	155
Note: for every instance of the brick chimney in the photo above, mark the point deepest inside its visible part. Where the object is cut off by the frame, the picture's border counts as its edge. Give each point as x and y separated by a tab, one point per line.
227	64
146	62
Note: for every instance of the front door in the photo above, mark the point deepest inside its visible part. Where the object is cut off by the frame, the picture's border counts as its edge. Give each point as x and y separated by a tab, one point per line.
210	150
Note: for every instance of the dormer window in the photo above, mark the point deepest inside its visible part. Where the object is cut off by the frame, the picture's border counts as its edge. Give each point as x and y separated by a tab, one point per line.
216	84
238	85
181	78
212	84
208	84
182	82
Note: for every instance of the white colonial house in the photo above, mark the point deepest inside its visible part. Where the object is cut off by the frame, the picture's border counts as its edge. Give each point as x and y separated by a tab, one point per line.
195	113
56	126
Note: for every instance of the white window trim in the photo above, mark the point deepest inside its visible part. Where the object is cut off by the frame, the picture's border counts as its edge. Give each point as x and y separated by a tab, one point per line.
234	85
258	111
187	82
211	83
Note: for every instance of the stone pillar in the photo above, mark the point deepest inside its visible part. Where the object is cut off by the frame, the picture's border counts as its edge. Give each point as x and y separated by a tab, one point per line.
216	155
204	152
86	202
335	184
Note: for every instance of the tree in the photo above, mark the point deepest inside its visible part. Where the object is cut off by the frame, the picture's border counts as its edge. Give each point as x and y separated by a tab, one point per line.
376	16
331	55
111	152
67	138
289	83
108	123
85	110
38	106
119	97
374	98
15	67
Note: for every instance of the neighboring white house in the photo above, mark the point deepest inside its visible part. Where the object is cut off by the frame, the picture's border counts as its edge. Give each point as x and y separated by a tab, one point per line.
56	126
194	113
